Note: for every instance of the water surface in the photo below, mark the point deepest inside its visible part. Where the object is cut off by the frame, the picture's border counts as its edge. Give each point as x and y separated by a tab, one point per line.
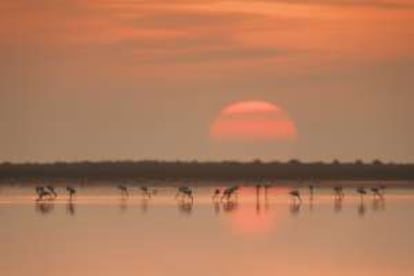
100	232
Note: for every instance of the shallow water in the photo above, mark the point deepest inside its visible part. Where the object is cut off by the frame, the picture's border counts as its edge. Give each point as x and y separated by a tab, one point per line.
101	233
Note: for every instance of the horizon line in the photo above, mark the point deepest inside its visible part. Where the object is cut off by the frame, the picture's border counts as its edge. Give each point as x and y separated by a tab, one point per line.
189	161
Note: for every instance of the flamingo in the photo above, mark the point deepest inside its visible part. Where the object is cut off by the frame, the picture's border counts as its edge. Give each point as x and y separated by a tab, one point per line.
52	190
228	192
71	191
185	192
311	190
41	193
124	190
377	192
295	195
216	194
146	192
339	192
361	191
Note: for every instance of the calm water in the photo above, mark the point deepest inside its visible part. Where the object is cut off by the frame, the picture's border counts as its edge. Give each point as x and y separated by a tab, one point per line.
100	233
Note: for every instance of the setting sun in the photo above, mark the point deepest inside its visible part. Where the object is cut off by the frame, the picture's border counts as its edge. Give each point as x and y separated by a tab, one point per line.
250	121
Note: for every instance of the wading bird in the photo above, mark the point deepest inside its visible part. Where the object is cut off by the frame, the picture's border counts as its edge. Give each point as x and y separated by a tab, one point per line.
295	194
311	190
229	192
185	192
339	192
361	191
146	192
42	193
216	194
52	190
124	190
71	191
377	192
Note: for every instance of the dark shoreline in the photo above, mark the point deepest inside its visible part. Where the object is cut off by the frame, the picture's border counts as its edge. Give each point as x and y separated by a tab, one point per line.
255	171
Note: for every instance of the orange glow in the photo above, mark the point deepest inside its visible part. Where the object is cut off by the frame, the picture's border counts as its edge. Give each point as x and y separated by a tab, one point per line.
247	221
253	121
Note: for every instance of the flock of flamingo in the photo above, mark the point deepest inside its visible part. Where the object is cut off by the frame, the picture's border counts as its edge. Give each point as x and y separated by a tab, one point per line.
377	192
48	192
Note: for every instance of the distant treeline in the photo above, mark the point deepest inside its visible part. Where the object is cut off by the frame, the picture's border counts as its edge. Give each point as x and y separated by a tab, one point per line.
226	170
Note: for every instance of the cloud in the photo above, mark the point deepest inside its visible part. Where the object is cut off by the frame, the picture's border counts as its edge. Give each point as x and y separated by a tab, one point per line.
201	31
402	4
209	55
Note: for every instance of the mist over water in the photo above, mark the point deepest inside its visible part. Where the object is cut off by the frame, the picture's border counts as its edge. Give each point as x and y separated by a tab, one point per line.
102	232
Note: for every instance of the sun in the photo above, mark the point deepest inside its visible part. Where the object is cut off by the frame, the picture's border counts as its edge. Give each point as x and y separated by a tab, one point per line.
252	121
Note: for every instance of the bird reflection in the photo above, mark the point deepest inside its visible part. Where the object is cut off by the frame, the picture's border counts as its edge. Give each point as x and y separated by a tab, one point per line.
144	205
378	204
216	207
44	208
70	208
311	203
229	206
123	204
294	208
361	209
185	207
258	205
337	204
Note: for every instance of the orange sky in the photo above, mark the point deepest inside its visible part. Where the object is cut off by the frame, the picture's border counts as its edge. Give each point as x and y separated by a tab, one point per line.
116	79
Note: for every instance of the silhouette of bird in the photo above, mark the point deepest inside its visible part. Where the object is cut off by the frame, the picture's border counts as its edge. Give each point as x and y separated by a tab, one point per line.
295	195
377	192
339	192
71	191
124	190
311	190
229	192
361	191
146	191
185	192
52	190
216	194
41	193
